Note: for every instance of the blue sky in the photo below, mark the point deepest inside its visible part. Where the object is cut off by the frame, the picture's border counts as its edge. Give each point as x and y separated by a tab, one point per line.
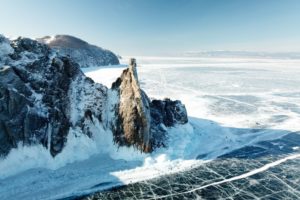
160	27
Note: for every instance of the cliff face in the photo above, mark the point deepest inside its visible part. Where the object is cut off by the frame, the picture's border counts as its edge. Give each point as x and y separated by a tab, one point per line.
83	53
39	92
133	111
35	101
142	122
44	96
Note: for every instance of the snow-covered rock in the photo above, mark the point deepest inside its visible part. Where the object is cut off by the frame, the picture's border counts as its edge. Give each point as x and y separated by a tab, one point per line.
45	97
5	49
85	54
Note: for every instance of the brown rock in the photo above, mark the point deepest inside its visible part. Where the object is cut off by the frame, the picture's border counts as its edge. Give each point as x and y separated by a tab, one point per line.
133	124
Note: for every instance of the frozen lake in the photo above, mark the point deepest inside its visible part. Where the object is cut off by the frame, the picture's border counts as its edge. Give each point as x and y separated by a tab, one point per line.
243	121
254	102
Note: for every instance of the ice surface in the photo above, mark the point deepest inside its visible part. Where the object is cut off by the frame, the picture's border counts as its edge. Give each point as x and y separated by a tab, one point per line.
232	103
240	175
105	75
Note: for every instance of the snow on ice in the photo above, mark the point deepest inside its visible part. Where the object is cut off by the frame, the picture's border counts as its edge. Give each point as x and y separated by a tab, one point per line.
231	103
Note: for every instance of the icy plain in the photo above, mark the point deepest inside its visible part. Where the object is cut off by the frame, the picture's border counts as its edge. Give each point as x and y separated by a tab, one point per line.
233	103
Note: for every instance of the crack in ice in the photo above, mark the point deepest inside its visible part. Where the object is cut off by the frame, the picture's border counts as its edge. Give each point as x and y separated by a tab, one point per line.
242	176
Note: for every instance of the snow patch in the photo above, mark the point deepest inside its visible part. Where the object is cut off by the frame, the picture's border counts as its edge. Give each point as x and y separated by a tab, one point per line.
49	39
105	75
5	47
79	147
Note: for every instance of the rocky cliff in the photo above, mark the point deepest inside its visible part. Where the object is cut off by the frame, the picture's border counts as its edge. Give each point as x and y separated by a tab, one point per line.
140	121
85	54
44	96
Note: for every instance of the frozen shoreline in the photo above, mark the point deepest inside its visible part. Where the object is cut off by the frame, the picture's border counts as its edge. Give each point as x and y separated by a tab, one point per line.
232	106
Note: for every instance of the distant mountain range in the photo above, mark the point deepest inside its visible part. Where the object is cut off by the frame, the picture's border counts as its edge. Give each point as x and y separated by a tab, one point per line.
244	54
85	54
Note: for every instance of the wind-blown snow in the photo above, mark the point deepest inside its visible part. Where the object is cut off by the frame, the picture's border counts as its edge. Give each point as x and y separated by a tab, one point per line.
231	103
27	157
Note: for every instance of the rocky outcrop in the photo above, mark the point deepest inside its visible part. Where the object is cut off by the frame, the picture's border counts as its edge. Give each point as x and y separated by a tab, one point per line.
44	97
35	101
142	122
168	112
133	111
85	54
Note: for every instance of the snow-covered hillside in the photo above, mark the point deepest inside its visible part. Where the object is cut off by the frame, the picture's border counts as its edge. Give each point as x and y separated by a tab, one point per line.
85	54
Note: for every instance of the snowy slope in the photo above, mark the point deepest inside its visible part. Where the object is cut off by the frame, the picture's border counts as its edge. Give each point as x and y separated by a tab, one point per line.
85	54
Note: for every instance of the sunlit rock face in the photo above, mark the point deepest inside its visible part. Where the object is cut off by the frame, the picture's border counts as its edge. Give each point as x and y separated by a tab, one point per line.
83	53
140	121
44	97
133	111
